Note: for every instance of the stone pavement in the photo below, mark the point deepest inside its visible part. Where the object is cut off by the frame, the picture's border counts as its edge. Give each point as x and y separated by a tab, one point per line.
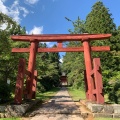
60	107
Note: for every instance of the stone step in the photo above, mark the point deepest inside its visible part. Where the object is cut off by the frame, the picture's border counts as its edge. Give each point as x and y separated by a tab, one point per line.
103	110
85	112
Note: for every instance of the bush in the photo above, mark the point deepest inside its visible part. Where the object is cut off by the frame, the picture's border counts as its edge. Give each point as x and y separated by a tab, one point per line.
40	87
46	83
78	84
5	92
114	94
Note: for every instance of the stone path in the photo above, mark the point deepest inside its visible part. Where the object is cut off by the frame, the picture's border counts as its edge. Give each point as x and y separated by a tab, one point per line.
60	107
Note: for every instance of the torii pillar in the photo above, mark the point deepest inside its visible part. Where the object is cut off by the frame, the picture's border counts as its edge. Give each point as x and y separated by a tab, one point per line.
88	66
31	68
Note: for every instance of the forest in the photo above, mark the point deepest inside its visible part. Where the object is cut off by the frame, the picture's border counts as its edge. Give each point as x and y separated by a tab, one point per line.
99	20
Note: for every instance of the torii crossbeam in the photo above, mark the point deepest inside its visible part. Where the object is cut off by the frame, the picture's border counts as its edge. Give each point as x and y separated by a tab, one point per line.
59	38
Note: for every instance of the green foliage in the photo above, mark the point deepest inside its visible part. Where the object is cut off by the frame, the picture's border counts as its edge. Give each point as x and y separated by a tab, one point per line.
13	118
40	87
71	64
47	64
114	89
5	92
48	70
73	61
79	26
8	60
76	94
99	20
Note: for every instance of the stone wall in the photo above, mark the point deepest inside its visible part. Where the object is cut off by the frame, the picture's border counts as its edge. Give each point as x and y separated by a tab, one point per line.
104	110
16	110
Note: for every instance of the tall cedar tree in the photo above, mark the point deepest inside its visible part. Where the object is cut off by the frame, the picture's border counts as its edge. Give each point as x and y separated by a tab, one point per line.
99	21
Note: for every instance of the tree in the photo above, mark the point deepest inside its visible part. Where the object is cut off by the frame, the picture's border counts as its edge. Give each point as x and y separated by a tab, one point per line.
73	62
48	69
79	26
8	61
99	20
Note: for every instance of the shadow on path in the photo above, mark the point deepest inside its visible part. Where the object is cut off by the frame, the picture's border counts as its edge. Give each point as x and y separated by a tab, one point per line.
61	105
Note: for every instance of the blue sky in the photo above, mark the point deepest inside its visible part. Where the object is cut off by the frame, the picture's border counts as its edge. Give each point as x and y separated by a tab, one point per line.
48	16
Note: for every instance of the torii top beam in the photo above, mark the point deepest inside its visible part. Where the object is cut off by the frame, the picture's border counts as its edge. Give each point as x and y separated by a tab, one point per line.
59	37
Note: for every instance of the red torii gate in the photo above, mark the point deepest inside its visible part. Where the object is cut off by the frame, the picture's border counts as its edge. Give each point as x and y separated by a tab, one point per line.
59	38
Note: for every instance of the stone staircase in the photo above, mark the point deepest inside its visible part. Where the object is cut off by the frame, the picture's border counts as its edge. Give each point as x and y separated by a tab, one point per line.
102	110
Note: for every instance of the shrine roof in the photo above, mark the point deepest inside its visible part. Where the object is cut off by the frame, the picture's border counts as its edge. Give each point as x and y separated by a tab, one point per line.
59	37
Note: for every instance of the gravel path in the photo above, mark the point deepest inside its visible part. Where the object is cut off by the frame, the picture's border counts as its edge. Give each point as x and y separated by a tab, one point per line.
60	107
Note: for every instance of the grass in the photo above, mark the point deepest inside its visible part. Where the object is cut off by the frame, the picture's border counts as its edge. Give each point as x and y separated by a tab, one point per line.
9	118
45	96
76	94
106	118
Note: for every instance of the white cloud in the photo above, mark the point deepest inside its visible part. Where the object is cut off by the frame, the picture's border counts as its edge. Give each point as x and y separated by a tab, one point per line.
61	60
3	0
25	11
14	10
39	30
31	1
3	8
36	30
3	26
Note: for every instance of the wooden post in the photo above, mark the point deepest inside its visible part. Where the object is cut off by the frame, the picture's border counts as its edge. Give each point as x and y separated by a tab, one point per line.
59	44
31	67
98	81
88	65
20	82
34	85
86	85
